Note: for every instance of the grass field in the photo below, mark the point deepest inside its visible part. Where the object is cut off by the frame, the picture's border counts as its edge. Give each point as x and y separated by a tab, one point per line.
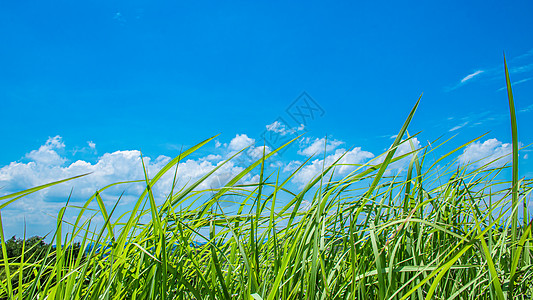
438	230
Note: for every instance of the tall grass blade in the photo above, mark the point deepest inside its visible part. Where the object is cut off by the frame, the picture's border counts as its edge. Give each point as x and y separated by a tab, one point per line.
514	183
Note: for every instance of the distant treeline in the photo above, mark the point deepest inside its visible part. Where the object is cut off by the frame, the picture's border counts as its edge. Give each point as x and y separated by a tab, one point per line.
35	249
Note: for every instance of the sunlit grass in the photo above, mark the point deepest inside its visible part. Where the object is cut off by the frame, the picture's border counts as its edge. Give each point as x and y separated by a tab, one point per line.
437	230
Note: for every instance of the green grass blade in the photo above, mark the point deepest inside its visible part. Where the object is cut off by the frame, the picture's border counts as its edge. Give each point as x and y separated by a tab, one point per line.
514	134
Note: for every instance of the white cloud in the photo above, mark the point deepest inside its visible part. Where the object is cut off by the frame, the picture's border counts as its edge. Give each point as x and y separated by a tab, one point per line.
522	69
280	128
257	152
354	156
253	153
516	83
39	209
291	166
402	149
47	153
277	164
239	142
525	55
458	126
212	157
276	127
526	156
47	165
317	146
217	144
111	167
480	154
91	144
470	76
518	65
527	109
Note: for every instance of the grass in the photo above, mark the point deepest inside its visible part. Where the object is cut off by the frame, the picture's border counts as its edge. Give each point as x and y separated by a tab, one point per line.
436	231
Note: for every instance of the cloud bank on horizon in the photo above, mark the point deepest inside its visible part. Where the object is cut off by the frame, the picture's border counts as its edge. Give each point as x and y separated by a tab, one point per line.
50	163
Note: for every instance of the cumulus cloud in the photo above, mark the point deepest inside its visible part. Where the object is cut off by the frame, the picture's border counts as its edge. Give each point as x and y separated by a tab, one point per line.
257	152
479	154
402	149
317	146
354	156
292	165
46	164
277	164
346	164
253	153
239	142
212	157
47	153
91	144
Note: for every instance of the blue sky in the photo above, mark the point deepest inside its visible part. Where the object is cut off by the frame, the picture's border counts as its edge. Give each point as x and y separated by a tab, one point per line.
89	83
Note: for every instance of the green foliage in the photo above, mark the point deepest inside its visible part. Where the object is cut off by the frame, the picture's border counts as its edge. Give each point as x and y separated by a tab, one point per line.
29	253
34	248
437	231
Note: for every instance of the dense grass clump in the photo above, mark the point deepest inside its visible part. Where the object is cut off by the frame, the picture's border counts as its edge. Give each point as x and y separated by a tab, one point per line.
435	231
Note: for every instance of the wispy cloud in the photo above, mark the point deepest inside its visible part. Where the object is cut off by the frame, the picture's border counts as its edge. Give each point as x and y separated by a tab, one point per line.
472	119
459	126
470	76
515	83
525	55
119	17
280	128
465	80
522	69
527	109
520	64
